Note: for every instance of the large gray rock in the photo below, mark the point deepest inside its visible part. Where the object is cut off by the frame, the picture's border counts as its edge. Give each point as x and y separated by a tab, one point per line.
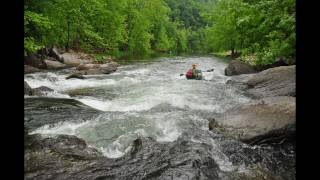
87	66
240	81
53	52
35	61
92	69
54	64
236	67
71	59
278	81
29	69
267	119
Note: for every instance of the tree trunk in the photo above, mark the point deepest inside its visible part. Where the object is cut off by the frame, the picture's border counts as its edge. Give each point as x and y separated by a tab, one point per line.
232	52
67	46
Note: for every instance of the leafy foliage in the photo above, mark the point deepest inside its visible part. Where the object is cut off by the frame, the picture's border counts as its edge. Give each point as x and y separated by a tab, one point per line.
264	30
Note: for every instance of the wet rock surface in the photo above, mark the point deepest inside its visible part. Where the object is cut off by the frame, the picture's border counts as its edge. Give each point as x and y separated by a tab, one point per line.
51	65
267	119
35	60
29	69
279	81
48	111
67	157
93	69
76	75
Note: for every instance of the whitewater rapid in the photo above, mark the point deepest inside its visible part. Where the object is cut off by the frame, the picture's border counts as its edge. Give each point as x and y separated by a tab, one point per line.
142	99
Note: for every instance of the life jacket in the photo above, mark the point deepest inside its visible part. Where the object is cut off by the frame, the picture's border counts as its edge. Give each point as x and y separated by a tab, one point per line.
189	74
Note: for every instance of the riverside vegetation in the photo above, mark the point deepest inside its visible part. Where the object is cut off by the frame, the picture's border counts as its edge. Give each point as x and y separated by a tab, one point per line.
258	31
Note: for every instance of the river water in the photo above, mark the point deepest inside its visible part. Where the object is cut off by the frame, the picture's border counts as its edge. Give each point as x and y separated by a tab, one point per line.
141	99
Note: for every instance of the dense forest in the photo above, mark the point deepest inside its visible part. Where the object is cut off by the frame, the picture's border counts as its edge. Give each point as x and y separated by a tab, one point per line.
258	32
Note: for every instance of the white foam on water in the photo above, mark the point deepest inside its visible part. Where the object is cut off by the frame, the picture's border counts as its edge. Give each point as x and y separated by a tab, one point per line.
118	105
137	72
129	80
102	105
60	83
220	158
69	128
169	131
55	94
122	145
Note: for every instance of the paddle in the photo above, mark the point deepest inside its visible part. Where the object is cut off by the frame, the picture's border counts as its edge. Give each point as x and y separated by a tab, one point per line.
209	70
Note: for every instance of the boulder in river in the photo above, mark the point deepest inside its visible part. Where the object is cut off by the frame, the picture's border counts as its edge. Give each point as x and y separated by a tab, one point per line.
35	61
76	76
29	69
108	67
87	66
278	81
92	69
269	119
54	64
236	67
40	91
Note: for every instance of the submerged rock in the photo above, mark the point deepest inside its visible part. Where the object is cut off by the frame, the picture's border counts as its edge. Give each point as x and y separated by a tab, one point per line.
267	119
76	76
236	67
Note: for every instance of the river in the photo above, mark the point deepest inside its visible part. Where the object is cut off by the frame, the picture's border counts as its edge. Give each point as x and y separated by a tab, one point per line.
146	99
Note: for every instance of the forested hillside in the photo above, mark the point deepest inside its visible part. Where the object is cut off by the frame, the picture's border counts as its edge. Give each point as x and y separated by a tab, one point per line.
259	31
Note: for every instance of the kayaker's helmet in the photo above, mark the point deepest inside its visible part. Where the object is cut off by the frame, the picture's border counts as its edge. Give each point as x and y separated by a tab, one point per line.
194	65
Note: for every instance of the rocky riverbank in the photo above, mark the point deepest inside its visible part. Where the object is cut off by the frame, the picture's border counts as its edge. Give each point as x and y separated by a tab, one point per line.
54	59
269	118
